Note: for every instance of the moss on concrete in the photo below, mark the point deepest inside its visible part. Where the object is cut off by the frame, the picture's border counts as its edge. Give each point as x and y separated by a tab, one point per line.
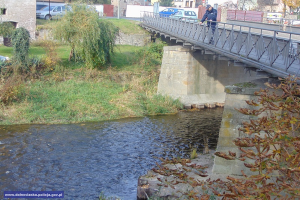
246	85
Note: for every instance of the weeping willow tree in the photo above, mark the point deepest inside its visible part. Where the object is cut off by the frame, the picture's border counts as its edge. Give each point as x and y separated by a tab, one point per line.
92	40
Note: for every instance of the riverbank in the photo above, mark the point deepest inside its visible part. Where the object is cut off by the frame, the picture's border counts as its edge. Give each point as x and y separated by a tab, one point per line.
70	93
180	179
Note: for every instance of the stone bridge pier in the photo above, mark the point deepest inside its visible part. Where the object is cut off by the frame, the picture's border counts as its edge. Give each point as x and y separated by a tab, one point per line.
198	76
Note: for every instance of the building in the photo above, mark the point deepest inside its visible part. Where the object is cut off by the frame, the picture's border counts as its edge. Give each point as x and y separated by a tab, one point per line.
21	14
123	5
187	3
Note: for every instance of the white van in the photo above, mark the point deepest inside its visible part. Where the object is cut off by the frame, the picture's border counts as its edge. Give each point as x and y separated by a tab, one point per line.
52	11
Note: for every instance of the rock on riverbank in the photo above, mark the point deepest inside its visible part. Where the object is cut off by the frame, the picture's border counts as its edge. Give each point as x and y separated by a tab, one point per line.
150	185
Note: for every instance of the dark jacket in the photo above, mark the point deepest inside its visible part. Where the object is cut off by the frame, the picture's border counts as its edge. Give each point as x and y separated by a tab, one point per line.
210	15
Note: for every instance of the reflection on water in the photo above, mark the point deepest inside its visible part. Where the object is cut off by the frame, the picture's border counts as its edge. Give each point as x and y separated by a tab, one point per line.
85	159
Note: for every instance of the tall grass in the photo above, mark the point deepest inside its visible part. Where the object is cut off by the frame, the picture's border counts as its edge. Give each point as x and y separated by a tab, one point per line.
71	93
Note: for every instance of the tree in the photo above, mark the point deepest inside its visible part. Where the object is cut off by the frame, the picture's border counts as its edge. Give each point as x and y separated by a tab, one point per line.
166	3
263	3
91	39
292	4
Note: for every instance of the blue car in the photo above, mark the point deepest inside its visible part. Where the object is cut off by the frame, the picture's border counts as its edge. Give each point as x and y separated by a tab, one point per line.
168	11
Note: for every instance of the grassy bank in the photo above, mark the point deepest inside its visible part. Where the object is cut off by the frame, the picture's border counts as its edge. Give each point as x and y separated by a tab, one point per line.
72	93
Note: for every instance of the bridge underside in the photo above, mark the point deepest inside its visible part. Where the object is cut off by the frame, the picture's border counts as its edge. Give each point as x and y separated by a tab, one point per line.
198	78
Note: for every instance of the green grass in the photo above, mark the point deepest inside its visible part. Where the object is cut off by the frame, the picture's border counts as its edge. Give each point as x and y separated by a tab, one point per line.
33	51
128	26
70	101
124	56
72	93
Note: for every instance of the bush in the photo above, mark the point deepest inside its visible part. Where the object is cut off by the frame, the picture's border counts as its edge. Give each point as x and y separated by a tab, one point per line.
151	55
11	90
20	41
6	29
51	58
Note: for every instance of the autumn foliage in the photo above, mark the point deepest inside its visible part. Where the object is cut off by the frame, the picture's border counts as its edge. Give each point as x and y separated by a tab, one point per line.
271	149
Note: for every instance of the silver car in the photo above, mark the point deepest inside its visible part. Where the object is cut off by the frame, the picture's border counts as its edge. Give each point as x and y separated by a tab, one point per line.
55	11
185	15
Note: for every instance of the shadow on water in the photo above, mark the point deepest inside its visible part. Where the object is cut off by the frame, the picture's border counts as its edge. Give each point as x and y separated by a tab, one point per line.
84	159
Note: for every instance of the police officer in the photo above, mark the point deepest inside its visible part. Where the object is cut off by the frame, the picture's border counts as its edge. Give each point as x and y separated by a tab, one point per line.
211	17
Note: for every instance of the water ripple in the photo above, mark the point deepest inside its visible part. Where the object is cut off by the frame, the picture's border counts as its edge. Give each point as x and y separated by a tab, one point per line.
85	159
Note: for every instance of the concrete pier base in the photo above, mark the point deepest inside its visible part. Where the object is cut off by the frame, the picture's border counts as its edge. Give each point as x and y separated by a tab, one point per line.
232	120
197	78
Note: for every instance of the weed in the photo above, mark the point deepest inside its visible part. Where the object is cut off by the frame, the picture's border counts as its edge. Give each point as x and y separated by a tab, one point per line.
194	153
11	90
150	56
51	58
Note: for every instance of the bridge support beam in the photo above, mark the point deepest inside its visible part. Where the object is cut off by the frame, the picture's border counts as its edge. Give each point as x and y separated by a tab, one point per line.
232	120
195	78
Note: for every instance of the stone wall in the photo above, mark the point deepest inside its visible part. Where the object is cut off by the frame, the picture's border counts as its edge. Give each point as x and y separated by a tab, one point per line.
22	12
134	39
197	78
122	39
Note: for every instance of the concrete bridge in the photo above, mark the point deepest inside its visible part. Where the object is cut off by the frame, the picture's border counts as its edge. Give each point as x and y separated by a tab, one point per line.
198	72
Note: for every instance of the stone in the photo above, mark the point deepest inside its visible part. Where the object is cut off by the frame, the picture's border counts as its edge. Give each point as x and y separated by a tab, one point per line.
220	104
210	105
200	106
187	106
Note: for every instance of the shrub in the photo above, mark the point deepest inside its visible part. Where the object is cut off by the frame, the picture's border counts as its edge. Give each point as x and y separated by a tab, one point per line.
11	90
275	146
6	29
51	58
20	41
151	55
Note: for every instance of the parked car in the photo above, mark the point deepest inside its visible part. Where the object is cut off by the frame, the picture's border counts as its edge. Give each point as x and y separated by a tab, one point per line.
39	7
185	15
168	11
55	11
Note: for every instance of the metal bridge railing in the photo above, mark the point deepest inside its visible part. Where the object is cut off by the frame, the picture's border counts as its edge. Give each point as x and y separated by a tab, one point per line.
274	51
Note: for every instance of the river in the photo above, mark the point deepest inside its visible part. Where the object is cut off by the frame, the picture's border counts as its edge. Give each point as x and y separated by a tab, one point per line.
86	159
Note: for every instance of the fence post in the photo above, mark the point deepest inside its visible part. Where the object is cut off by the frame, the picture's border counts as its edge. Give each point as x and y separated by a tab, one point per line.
235	15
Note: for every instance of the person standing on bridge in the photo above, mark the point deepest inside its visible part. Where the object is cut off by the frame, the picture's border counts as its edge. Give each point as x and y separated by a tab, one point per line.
211	17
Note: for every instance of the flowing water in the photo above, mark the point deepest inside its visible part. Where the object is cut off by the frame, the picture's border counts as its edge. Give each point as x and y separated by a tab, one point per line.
86	159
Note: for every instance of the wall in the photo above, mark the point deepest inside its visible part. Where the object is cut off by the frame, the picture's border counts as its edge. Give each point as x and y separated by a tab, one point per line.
108	10
99	9
134	40
123	39
21	12
196	78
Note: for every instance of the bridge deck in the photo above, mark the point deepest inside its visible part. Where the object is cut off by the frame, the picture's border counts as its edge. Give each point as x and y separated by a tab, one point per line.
276	52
